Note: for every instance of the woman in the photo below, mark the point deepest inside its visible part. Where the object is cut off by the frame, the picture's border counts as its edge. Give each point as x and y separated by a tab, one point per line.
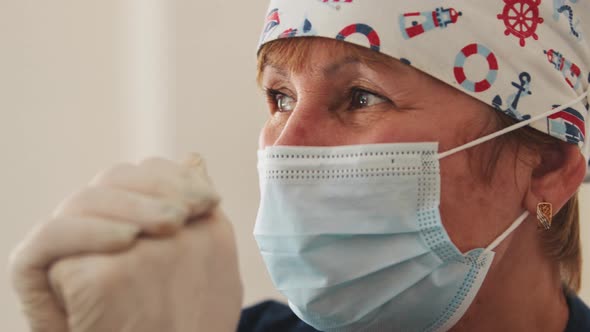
399	191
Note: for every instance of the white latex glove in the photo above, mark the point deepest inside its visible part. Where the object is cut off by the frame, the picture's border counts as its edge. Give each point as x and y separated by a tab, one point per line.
99	265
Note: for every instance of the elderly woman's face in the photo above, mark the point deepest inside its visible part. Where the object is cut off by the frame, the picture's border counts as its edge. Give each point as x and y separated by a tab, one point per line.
339	99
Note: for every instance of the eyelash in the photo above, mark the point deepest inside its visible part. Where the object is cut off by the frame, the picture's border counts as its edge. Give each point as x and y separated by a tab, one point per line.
272	97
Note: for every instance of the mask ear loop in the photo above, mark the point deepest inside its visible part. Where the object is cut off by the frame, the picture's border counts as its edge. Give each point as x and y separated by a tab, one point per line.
508	231
513	127
516	126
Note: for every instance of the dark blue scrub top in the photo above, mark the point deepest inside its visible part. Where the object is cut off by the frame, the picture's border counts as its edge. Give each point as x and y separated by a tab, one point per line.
272	316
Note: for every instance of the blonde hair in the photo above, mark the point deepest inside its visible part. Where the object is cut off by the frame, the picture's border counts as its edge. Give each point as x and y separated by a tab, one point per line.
562	242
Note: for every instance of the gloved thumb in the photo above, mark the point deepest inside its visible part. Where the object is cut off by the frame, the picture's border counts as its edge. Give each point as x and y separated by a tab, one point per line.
195	163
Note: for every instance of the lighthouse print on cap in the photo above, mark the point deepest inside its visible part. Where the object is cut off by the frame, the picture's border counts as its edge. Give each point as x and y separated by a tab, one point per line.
521	57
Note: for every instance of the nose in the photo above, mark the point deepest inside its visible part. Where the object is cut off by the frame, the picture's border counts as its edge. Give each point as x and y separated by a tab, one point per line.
309	125
296	131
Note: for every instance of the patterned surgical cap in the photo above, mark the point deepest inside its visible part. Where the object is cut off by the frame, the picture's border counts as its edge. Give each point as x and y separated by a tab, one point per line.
522	57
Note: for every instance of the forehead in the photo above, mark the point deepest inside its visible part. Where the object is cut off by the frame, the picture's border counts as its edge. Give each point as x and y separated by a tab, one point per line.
297	55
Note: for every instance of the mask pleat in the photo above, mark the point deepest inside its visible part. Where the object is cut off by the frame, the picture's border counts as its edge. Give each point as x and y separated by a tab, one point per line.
325	260
353	237
385	285
360	205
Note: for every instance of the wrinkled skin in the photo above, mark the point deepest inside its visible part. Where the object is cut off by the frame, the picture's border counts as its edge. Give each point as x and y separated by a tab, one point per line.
314	107
144	247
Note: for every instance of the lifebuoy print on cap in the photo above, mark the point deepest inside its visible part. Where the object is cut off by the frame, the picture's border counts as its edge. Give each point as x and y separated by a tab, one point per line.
521	57
372	36
476	50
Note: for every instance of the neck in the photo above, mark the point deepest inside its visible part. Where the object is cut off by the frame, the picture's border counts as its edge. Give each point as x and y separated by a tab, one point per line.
522	291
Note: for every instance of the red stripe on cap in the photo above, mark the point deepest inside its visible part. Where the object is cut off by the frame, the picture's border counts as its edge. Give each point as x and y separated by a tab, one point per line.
460	75
469	50
374	38
571	118
482	86
349	30
492	61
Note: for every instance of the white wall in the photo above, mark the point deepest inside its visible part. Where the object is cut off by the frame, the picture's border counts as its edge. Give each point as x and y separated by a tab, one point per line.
219	112
60	123
84	84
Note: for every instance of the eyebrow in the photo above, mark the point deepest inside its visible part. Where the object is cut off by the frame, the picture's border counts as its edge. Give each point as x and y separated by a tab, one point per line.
334	68
279	70
328	71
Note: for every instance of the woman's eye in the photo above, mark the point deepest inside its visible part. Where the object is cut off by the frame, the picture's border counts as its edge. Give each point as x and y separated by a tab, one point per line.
363	99
284	103
280	102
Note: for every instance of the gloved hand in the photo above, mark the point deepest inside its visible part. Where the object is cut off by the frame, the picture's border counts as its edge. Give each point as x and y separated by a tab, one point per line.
142	248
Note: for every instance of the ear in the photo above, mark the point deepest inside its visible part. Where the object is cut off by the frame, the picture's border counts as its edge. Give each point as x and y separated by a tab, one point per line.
556	178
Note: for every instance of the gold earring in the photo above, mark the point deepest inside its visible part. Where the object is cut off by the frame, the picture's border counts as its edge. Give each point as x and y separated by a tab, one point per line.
545	215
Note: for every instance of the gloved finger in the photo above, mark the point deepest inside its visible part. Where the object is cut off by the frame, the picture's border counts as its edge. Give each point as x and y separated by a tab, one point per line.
164	179
154	216
194	172
198	173
70	278
193	166
60	273
144	180
40	307
47	243
68	236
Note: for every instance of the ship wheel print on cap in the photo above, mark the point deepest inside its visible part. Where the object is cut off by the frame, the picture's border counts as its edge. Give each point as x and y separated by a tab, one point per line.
521	18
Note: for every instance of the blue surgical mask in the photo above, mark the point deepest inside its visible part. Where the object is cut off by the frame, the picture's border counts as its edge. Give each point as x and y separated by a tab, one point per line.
352	236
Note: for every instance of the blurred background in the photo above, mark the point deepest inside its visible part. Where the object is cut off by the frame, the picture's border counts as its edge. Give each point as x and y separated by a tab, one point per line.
85	84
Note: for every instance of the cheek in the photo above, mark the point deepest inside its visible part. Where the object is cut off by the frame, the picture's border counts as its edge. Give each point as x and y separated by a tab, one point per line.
474	212
270	132
265	137
461	204
409	127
